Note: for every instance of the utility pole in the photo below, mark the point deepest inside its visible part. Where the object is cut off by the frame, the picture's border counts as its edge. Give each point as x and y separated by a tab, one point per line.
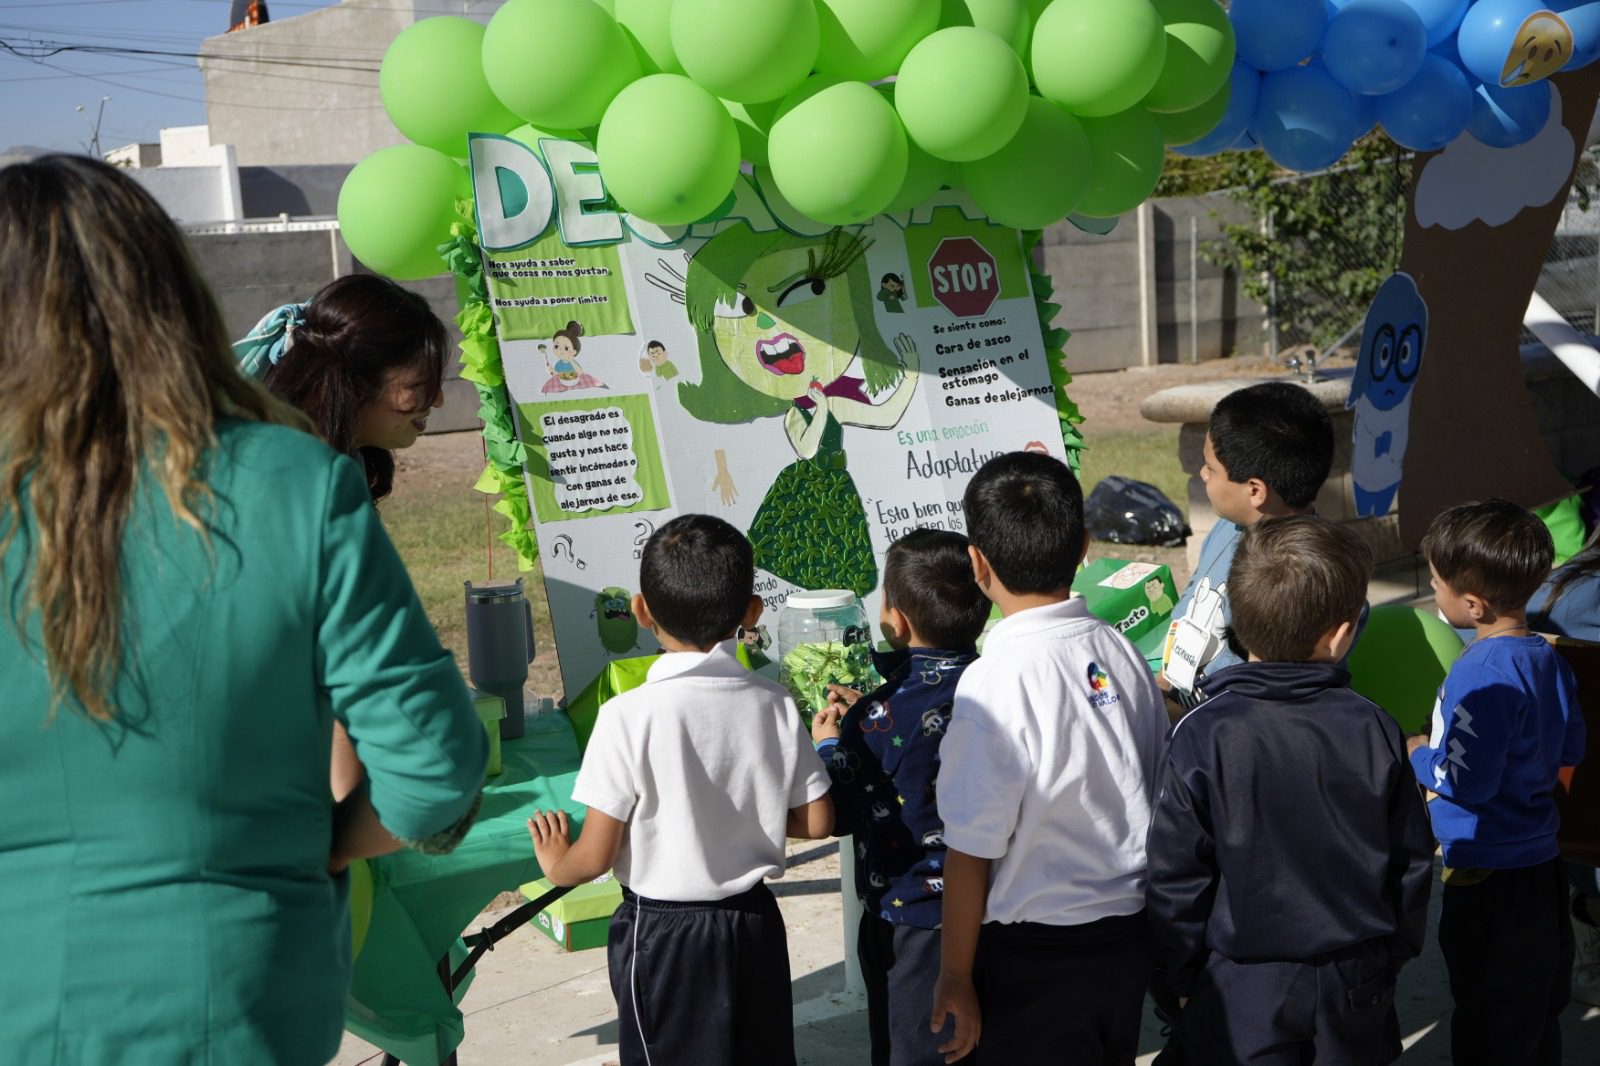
94	131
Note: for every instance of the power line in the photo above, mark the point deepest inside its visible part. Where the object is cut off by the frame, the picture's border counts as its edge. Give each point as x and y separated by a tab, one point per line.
204	100
49	49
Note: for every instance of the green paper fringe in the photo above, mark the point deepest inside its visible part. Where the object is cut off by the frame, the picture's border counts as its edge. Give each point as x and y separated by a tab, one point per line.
1055	342
481	365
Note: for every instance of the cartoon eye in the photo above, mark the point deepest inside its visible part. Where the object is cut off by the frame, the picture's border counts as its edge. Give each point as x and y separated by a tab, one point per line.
801	291
1383	352
736	306
1410	357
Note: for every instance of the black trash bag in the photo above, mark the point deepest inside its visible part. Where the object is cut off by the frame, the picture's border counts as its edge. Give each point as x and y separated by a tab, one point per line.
1124	511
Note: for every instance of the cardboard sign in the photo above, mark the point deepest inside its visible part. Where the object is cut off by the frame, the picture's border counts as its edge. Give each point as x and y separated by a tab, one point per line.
824	389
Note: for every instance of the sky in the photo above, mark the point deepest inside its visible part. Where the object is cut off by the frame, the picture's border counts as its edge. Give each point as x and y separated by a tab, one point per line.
39	97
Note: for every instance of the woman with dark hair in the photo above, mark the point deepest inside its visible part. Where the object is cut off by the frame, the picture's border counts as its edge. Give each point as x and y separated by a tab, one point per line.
363	358
194	591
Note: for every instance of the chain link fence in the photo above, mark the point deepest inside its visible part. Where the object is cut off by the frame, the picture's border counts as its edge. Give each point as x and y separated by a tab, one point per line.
1317	285
1338	235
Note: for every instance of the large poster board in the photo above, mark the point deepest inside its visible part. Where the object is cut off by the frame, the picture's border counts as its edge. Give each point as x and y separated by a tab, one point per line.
824	389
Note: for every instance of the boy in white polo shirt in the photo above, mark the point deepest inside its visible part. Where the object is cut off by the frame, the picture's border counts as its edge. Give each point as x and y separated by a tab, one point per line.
692	781
1045	792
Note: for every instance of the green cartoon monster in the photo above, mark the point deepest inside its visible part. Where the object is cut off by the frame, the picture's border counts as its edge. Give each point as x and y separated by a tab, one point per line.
779	319
613	615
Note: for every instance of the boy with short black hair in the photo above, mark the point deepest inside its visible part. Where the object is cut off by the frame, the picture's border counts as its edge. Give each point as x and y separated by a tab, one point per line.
1506	722
883	758
1267	452
692	781
1278	945
1045	795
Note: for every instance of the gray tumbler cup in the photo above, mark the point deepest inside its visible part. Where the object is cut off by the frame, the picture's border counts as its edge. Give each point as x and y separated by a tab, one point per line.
500	645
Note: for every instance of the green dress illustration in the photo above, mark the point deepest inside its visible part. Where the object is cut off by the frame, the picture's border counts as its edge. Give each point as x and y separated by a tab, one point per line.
812	529
780	319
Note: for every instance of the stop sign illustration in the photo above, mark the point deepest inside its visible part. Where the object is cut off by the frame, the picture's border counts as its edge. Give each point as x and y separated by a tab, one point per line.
964	275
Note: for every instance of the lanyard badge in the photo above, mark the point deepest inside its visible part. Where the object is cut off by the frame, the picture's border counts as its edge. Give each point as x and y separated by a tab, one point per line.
1195	639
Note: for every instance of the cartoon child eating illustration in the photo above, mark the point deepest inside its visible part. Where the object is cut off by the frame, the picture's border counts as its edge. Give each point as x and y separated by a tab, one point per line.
655	360
565	373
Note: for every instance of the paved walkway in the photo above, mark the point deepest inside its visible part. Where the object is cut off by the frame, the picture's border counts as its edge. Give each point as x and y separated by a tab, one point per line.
534	1005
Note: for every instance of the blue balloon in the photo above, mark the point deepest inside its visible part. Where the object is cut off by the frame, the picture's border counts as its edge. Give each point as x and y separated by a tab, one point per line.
1366	116
1430	110
1304	118
1584	20
1246	143
1246	88
1277	34
1439	17
1374	46
1486	34
1505	118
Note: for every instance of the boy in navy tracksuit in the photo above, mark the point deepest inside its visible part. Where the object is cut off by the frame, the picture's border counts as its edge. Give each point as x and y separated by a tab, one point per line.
1506	722
883	758
1289	852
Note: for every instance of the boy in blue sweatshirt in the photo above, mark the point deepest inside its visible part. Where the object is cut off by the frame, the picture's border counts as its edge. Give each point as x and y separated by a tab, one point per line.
1506	722
883	757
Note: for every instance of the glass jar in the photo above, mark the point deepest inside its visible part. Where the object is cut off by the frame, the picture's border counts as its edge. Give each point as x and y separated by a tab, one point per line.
824	638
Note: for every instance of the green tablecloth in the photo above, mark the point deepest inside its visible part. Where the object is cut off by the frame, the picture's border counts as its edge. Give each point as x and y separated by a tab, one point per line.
422	903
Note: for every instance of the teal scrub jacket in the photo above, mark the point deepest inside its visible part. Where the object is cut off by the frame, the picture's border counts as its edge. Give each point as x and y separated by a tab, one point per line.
164	895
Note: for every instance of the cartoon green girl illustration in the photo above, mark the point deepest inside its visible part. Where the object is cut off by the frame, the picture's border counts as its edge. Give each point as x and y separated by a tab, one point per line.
891	291
779	319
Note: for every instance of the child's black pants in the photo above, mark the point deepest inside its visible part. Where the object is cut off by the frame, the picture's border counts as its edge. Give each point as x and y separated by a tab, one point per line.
900	966
1053	994
701	983
1508	948
1336	1010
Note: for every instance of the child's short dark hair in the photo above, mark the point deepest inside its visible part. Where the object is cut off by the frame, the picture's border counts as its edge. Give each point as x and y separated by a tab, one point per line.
1292	580
1278	432
1025	513
697	574
928	575
1495	549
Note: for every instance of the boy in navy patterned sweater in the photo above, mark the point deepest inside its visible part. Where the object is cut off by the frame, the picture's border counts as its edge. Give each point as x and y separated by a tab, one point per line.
883	757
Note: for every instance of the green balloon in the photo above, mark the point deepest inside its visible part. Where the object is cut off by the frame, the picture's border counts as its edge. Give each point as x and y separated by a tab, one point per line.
1040	176
668	150
749	51
1008	20
433	86
1401	659
925	174
1186	127
1200	52
1128	155
962	93
840	155
649	24
396	207
866	40
557	62
1098	57
753	123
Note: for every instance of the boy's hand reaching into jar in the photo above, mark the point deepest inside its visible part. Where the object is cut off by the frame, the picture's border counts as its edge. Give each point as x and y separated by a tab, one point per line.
825	723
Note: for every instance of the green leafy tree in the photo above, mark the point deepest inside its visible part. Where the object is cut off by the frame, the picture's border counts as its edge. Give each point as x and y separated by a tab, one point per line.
1319	245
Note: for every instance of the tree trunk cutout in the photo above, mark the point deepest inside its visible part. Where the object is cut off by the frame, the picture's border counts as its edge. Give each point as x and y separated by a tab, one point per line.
1473	433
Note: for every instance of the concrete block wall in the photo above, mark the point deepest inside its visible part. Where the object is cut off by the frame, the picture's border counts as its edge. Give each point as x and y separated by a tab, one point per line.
1132	297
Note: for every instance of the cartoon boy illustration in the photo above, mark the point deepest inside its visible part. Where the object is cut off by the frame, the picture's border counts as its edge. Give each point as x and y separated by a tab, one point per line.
655	360
1155	590
565	373
891	290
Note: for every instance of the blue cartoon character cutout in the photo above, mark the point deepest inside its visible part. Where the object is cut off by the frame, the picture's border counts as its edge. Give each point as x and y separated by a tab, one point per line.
779	320
1380	395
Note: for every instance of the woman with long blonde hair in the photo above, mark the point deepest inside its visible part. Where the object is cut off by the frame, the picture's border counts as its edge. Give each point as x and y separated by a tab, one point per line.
192	591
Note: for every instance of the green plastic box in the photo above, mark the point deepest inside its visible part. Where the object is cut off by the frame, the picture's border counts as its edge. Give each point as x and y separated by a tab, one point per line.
490	710
1135	599
580	919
